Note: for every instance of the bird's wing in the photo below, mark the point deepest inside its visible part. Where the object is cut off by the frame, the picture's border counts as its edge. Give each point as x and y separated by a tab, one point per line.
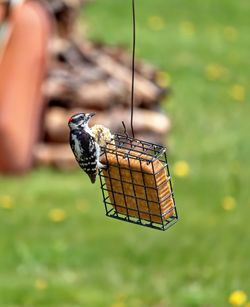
82	145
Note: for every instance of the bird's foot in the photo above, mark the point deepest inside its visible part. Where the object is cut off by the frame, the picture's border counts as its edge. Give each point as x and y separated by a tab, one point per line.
101	166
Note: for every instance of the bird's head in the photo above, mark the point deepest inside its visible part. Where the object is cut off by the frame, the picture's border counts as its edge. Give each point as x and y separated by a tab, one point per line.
80	120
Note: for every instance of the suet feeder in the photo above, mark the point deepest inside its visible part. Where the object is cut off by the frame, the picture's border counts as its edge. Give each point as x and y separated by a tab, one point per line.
136	185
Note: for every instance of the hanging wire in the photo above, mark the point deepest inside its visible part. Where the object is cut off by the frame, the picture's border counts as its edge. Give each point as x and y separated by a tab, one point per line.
133	69
125	129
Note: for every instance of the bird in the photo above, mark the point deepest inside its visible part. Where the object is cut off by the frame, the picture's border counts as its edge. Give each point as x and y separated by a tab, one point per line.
82	142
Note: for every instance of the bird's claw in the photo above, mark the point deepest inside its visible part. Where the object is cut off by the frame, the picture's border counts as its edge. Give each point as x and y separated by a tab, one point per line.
102	166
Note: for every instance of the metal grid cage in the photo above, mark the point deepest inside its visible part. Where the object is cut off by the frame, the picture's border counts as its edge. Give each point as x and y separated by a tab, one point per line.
136	185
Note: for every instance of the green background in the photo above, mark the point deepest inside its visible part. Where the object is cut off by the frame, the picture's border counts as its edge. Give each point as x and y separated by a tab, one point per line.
90	260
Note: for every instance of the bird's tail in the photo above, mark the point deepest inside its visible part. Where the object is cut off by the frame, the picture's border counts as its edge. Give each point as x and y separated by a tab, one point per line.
93	177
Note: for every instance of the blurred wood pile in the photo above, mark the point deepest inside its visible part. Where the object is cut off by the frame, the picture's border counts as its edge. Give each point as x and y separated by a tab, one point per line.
86	77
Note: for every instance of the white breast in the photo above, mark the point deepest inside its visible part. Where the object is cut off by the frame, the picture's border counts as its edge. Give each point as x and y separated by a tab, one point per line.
77	147
88	130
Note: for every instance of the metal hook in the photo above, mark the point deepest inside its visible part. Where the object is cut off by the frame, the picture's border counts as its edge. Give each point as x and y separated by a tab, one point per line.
125	129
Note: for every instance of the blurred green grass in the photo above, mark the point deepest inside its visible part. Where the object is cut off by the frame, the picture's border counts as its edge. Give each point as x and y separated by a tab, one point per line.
90	260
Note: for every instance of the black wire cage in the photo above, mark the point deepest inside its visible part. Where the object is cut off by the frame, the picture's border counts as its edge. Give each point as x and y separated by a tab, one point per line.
136	185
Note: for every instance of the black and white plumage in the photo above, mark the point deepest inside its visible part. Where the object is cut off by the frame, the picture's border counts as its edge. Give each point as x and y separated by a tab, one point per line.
83	144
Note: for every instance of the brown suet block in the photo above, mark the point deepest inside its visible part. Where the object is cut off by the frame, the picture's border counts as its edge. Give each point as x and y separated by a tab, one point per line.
137	187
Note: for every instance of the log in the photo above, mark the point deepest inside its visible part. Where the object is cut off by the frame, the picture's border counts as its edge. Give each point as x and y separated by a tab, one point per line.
101	95
145	90
120	54
52	155
93	63
56	125
62	83
81	91
59	89
145	122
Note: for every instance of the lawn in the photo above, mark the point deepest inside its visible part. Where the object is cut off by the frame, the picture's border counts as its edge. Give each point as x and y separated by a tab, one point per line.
56	246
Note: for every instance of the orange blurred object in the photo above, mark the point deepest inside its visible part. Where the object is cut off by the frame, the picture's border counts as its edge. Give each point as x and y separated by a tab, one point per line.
22	70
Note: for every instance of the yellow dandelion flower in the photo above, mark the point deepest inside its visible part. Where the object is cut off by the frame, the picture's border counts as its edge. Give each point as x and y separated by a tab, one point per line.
237	298
156	23
238	92
163	79
6	202
57	215
187	28
229	203
215	72
41	284
181	169
230	33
